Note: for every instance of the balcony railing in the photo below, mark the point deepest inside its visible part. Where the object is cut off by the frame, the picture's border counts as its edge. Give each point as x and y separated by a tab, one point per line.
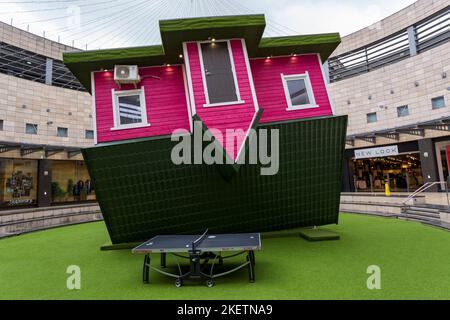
418	38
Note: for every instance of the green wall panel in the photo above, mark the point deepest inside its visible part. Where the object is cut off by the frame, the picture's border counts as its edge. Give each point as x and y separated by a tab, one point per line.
142	193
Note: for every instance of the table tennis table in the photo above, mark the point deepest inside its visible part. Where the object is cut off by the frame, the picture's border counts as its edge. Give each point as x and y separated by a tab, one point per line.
204	252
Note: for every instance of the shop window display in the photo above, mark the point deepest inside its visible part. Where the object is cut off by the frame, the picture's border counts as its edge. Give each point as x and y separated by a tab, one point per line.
403	173
18	182
71	182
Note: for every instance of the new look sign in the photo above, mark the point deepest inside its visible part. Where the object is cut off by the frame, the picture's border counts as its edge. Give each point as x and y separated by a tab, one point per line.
376	152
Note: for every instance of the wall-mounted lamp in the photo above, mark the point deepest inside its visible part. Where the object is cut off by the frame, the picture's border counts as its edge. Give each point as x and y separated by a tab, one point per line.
49	123
417	83
444	75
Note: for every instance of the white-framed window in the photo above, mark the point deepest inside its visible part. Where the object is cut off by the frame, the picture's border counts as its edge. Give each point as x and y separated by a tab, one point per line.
129	109
298	91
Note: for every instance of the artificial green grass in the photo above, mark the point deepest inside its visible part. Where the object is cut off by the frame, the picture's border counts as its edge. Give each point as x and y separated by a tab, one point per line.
414	261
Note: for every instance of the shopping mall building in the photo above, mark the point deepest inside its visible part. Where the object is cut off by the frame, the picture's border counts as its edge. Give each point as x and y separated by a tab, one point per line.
45	118
393	80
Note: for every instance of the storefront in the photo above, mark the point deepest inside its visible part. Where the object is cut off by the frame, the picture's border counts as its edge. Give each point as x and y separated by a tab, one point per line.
404	166
370	169
30	182
442	149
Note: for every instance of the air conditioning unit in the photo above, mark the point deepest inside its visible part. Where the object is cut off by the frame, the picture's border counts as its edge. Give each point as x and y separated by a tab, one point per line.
126	74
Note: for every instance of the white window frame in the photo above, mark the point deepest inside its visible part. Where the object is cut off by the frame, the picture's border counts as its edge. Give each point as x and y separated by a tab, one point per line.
233	70
125	93
312	100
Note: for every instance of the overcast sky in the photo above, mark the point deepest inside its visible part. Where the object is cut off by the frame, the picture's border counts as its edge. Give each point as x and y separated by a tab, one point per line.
118	23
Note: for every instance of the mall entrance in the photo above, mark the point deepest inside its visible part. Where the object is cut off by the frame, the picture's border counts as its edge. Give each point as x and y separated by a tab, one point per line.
403	173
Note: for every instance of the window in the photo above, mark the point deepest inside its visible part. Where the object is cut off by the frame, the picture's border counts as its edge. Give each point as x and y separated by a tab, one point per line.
298	91
1	125
129	109
29	65
89	134
219	76
438	103
402	111
372	117
19	182
62	132
31	128
71	182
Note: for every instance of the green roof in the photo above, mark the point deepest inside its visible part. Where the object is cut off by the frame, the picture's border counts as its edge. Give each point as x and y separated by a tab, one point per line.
324	44
175	32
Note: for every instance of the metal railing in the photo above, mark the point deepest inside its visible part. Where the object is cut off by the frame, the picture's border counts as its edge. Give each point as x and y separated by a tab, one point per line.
426	34
425	187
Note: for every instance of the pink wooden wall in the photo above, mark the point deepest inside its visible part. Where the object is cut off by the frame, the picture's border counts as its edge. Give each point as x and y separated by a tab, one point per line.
224	117
165	99
270	91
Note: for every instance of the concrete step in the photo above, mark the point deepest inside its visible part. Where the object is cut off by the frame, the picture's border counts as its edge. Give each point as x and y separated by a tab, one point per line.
431	215
421	217
431	207
24	223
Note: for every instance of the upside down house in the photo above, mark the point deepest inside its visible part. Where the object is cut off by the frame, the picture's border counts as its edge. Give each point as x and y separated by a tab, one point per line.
217	75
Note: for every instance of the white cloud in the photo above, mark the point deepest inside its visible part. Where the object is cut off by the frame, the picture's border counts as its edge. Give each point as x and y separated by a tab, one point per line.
284	17
318	16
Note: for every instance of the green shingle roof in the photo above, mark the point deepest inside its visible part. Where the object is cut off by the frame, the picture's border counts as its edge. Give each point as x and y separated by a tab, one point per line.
175	32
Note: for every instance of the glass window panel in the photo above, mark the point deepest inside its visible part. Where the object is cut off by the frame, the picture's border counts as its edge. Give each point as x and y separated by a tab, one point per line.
31	128
18	182
62	132
438	103
403	111
372	117
71	182
89	134
298	92
130	109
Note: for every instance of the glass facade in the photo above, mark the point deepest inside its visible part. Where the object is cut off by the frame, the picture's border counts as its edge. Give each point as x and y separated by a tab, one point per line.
18	182
71	182
402	172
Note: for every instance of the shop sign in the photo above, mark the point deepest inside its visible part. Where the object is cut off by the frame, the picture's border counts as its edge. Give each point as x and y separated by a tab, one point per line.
376	152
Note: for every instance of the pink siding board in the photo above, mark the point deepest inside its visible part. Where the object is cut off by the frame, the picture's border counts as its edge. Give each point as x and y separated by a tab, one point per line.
165	100
221	118
270	92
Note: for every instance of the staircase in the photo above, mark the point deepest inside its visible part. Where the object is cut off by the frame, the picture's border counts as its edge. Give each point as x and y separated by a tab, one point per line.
418	208
421	212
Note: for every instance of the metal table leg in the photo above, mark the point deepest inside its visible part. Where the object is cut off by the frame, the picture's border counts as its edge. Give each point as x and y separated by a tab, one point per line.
251	266
146	269
163	260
